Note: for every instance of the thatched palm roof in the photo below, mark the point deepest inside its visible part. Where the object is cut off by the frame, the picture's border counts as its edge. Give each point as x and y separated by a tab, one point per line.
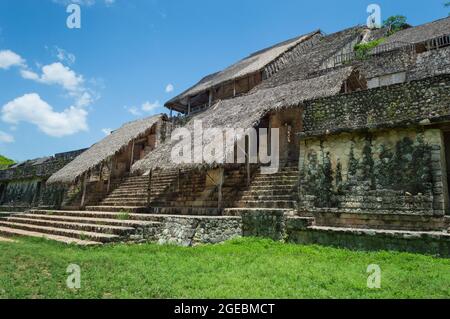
422	32
253	63
104	150
247	111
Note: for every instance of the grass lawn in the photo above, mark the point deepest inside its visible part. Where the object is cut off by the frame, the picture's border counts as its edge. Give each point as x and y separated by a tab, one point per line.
243	268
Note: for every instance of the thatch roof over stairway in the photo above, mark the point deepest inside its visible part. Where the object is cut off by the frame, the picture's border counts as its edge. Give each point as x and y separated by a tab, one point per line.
105	149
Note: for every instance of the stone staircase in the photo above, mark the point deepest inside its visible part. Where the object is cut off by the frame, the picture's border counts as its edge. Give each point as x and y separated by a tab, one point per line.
132	194
272	191
80	227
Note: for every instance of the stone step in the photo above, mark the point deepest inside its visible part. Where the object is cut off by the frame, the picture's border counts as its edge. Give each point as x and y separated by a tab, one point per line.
257	197
95	214
185	211
128	195
240	211
265	187
273	183
277	177
180	203
268	192
390	221
129	209
266	204
14	232
121	203
96	228
117	221
83	235
403	234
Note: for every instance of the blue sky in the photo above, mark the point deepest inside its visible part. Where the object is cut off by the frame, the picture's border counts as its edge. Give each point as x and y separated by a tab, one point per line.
61	89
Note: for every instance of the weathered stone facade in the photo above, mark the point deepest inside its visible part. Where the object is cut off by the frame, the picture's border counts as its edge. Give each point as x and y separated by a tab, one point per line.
195	230
384	171
417	102
376	151
23	185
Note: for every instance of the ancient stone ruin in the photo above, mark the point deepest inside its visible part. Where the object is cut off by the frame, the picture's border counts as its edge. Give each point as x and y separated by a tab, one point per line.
364	150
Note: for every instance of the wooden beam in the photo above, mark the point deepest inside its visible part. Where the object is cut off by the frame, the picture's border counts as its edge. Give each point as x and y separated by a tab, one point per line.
248	173
189	105
132	155
149	188
247	159
220	186
83	196
211	97
111	172
101	176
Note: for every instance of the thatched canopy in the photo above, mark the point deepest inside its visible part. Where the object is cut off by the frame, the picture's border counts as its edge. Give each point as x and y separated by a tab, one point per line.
105	149
253	63
247	111
422	32
313	59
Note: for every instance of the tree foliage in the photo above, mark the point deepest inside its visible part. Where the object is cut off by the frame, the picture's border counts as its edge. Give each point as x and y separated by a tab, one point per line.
395	23
5	162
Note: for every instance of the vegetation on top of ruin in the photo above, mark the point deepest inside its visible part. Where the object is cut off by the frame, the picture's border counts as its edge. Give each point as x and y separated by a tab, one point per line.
5	162
362	49
396	23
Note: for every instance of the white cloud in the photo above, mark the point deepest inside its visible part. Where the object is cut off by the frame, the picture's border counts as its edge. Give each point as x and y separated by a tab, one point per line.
6	138
169	88
107	131
32	109
29	75
150	107
65	56
57	73
8	59
146	107
133	110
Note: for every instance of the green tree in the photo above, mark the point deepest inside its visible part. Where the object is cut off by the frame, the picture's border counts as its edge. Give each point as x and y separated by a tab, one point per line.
5	162
447	4
396	23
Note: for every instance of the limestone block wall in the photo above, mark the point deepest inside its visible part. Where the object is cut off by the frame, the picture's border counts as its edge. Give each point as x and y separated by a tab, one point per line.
195	230
385	171
23	186
401	105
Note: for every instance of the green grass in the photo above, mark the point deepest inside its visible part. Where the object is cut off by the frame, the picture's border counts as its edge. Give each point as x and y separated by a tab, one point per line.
243	268
123	215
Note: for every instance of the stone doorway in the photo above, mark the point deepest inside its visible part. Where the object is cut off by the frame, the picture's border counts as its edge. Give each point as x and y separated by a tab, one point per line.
289	123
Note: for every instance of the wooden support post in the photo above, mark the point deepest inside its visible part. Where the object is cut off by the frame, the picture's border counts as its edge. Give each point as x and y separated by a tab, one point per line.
210	97
132	155
248	171
149	189
83	196
247	160
189	106
178	180
111	173
100	176
220	186
234	88
171	112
